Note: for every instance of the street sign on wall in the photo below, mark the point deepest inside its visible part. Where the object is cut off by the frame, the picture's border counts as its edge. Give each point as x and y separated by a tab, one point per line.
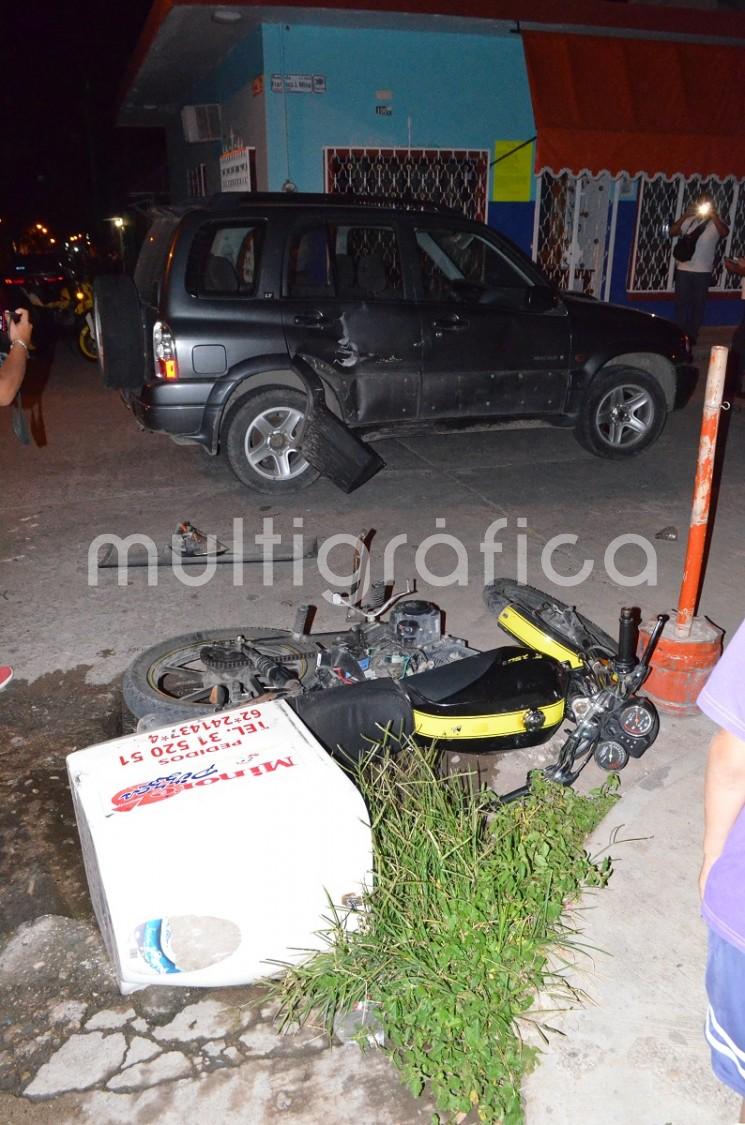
299	83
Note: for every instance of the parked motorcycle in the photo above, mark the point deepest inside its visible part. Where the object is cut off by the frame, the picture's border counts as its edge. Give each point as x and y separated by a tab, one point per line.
75	311
85	333
403	675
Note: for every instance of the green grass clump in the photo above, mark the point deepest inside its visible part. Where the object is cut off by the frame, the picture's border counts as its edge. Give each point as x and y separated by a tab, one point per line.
455	940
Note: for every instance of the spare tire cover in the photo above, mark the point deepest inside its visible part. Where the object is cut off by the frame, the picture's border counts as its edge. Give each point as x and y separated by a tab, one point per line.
119	332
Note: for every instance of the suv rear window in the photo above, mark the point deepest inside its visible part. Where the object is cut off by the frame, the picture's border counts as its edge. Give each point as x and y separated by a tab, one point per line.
225	259
152	258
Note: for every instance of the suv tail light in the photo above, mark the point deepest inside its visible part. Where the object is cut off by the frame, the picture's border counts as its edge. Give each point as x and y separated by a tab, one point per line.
164	351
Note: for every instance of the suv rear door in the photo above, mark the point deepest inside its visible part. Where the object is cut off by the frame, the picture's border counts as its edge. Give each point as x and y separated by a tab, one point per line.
495	341
226	311
348	303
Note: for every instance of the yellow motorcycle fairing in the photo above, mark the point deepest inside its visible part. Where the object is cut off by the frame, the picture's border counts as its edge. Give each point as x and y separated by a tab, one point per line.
513	622
454	728
504	699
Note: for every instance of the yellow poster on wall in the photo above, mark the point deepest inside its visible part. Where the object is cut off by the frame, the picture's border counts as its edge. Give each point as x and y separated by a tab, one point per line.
512	172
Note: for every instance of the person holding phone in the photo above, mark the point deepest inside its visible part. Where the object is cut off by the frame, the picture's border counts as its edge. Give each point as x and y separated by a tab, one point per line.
12	373
13	370
692	278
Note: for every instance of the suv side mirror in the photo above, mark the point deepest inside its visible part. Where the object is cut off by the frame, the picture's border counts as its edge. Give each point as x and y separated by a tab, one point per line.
541	298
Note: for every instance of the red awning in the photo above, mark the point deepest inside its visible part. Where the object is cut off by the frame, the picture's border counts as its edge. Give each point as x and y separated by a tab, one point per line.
636	105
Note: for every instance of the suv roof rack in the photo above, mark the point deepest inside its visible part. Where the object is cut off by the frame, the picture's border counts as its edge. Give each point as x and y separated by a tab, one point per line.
226	200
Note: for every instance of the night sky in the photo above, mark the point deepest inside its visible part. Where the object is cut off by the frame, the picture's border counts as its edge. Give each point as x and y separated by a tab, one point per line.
62	66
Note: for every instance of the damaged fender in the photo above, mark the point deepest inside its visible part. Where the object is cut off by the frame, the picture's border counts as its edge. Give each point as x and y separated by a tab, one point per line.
326	442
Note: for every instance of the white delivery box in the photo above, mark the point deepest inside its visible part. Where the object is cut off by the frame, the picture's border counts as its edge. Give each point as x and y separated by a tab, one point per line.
217	847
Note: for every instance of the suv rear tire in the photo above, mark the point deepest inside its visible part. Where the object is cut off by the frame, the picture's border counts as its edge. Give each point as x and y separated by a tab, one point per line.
118	330
260	441
623	412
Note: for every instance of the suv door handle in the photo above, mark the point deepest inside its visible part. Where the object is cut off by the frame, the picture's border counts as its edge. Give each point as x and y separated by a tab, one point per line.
315	319
452	323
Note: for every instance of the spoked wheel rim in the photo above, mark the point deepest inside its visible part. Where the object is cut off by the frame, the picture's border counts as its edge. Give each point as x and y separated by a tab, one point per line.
178	676
272	444
625	415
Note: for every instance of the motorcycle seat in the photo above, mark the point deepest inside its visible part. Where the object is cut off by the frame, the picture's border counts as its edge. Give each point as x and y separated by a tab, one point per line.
349	721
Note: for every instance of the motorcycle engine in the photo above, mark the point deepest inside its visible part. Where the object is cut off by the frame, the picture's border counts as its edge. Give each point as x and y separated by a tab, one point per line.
416	624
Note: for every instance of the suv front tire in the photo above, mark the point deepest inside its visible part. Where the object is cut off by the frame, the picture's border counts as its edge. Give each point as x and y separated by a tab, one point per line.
623	412
261	441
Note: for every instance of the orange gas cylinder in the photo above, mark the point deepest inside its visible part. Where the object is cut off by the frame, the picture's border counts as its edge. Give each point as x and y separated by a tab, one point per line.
681	665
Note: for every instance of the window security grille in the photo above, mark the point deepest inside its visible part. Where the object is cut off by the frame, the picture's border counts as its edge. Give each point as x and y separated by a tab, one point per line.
574	231
196	181
661	201
456	178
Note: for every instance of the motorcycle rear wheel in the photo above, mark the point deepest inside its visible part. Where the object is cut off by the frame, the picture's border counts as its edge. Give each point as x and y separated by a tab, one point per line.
166	682
559	621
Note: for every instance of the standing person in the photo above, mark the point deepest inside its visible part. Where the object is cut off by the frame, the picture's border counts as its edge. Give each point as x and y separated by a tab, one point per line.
692	278
12	373
722	878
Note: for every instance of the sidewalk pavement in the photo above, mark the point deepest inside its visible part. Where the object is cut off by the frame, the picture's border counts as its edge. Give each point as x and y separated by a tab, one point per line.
635	1052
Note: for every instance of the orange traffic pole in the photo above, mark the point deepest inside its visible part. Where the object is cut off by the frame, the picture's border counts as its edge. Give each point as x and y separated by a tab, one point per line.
697	533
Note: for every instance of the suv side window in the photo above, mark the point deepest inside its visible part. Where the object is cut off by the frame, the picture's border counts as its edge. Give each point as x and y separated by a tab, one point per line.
225	260
362	262
459	265
309	272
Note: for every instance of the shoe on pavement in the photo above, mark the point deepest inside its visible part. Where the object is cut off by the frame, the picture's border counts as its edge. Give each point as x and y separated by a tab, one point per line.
6	675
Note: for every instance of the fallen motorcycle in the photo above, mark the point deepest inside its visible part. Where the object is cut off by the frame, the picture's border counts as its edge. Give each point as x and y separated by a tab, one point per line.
404	676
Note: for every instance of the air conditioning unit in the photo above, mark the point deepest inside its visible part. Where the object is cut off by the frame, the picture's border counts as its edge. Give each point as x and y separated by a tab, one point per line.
201	123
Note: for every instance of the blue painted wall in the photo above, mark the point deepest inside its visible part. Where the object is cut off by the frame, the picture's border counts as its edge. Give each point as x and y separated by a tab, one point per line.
515	220
459	91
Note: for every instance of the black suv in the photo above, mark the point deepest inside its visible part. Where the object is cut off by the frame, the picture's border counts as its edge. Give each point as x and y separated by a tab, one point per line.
411	317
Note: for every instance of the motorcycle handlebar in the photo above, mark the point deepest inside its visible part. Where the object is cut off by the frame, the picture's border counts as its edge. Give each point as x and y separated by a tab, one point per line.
627	636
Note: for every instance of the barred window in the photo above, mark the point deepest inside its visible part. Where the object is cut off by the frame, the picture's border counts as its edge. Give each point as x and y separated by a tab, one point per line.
660	203
456	178
574	235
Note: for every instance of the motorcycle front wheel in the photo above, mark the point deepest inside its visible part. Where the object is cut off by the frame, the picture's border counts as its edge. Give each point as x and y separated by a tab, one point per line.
561	622
171	682
87	344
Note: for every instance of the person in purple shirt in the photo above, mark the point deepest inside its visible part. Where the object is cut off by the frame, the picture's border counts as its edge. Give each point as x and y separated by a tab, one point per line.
722	878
